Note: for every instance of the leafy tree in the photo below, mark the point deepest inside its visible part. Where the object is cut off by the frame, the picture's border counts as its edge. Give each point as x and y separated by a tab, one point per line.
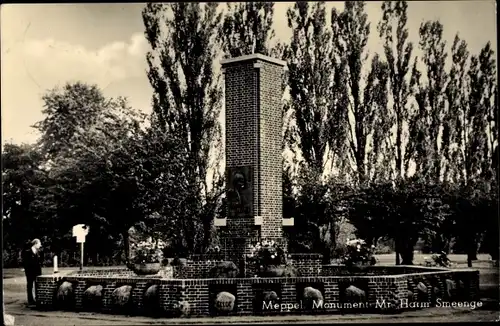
76	106
489	204
247	29
116	172
368	107
310	72
404	211
434	57
468	146
475	212
187	95
22	177
483	135
478	147
455	121
398	51
319	206
452	141
309	108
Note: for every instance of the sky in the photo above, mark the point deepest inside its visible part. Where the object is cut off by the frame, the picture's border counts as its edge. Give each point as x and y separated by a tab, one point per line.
48	45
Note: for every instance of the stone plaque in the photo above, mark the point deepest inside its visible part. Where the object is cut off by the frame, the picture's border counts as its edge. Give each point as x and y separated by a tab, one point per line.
239	191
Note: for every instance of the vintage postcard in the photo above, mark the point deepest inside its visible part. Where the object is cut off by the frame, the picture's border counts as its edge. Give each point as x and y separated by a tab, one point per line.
253	162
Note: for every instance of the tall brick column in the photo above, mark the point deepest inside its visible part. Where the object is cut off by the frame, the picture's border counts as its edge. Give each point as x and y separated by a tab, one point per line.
253	153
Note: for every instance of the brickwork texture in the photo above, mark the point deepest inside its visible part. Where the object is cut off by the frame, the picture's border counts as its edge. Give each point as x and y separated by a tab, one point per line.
253	138
197	293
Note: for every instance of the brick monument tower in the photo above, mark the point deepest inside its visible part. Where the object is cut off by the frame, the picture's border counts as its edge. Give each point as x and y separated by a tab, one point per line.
253	155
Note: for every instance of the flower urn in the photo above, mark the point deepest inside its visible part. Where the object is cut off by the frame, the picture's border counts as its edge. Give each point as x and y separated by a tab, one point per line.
147	268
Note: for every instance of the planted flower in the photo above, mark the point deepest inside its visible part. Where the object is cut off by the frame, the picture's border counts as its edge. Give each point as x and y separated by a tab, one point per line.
149	251
267	253
358	253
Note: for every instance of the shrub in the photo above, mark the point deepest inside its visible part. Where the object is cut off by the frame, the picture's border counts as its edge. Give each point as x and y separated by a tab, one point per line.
383	249
269	296
440	260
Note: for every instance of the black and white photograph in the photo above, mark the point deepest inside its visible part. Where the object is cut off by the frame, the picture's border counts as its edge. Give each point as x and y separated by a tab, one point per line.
194	163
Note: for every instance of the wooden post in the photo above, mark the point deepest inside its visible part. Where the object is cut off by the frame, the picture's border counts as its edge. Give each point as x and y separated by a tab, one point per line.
56	268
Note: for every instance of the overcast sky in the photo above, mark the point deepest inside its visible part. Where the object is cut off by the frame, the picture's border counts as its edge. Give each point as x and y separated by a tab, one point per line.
44	46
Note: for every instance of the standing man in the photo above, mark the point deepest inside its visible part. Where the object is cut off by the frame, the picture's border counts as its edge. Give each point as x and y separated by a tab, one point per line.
32	267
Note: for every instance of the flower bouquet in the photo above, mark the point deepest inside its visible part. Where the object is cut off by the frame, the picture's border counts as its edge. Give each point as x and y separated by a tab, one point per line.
267	255
147	256
358	254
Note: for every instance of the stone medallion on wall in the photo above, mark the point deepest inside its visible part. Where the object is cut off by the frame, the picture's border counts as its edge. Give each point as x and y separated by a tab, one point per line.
239	191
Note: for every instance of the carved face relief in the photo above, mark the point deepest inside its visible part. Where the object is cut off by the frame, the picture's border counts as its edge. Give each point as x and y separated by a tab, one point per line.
239	181
239	192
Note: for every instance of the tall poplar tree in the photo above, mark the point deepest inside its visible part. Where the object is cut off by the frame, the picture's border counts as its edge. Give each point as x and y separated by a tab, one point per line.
247	28
365	114
455	121
398	51
483	81
310	68
187	96
434	58
312	110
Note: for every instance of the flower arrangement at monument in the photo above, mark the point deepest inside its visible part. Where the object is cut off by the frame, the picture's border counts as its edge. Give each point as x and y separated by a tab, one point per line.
147	256
358	254
267	253
267	256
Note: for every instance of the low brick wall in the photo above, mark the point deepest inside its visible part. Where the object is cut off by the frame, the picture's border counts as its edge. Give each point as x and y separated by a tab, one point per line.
118	272
340	270
194	269
307	264
195	297
166	272
199	266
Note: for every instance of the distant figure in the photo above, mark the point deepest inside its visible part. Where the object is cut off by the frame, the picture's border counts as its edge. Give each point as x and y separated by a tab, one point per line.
32	267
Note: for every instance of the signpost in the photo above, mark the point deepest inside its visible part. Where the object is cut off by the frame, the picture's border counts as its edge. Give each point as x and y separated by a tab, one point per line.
80	231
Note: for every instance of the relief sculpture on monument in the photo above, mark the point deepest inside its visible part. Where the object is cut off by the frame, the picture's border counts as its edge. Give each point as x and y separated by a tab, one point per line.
239	192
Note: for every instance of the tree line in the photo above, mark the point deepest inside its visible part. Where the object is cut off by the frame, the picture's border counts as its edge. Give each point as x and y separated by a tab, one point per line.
403	147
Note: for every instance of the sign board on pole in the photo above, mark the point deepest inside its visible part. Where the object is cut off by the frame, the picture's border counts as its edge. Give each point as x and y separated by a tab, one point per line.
80	231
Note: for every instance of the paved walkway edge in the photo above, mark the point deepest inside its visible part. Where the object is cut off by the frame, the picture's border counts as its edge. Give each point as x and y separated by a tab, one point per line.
250	319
